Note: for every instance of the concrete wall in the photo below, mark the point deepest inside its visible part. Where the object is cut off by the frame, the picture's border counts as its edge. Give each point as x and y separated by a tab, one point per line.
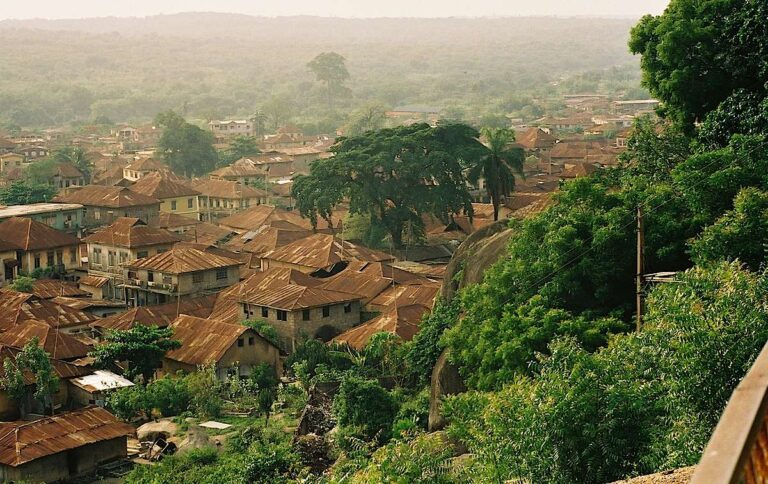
295	329
182	206
102	216
65	258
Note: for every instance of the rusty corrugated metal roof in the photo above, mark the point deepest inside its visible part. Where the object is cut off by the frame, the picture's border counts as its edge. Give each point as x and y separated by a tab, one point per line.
227	189
404	321
405	295
63	369
203	341
51	288
23	441
31	235
131	232
161	315
265	239
319	251
254	217
56	343
93	281
16	308
160	186
106	196
293	297
183	260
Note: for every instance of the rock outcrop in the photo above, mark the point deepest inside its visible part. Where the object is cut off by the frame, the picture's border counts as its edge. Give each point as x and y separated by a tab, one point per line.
446	381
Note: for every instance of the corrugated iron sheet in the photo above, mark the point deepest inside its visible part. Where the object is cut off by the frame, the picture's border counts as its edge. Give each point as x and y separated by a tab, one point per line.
161	315
403	321
22	442
203	341
58	344
183	260
131	232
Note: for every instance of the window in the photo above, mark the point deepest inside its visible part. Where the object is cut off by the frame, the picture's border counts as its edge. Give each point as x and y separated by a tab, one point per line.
142	254
221	273
111	256
173	204
305	314
37	261
197	277
326	311
240	342
264	312
282	315
190	204
73	256
59	256
251	341
151	276
97	214
348	308
131	274
49	259
160	251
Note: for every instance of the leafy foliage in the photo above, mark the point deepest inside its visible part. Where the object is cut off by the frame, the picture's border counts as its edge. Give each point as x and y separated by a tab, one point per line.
186	148
143	347
23	284
498	166
31	362
365	405
394	175
23	193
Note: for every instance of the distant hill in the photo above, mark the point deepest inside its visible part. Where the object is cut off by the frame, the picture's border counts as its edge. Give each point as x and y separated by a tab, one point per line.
220	64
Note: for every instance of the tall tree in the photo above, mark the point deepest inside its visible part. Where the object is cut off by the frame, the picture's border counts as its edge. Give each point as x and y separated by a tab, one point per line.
143	347
240	147
186	148
394	175
366	118
498	165
330	68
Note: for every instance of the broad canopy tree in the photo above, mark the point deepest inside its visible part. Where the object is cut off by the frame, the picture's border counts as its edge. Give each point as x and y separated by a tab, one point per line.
330	69
186	148
395	176
143	347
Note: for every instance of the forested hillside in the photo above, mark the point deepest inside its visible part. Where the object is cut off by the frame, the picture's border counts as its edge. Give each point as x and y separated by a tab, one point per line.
212	65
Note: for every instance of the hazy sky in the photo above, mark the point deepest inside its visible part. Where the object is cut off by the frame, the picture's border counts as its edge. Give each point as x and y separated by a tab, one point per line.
331	8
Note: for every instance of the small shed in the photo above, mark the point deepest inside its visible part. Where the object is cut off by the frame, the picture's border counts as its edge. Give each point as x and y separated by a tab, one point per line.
93	389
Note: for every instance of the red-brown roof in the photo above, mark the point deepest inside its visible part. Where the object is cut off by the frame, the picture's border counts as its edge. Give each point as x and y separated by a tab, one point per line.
265	239
423	295
62	369
93	281
106	196
183	260
24	441
56	343
18	307
227	189
255	217
293	298
204	341
131	232
29	234
51	288
161	315
147	164
160	186
536	138
403	321
320	251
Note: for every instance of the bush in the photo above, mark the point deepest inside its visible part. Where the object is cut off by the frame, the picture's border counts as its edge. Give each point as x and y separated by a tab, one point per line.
365	404
205	391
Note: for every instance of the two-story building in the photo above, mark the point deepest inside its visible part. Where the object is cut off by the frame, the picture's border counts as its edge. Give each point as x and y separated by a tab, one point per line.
66	175
67	217
40	247
232	349
10	162
246	171
9	257
105	204
142	167
221	198
228	128
297	312
126	240
179	272
175	197
33	152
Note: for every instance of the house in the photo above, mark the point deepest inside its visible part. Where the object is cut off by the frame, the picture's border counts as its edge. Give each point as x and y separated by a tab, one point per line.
297	312
144	166
228	128
11	409
40	247
175	197
105	204
17	308
161	315
57	344
322	254
255	217
93	389
246	171
32	152
227	347
179	272
9	255
265	239
96	286
66	175
62	446
67	217
635	106
96	307
417	112
126	240
536	140
221	198
10	162
52	288
405	295
402	321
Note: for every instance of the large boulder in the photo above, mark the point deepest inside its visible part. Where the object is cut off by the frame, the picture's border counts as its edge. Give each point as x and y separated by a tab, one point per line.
159	428
446	381
474	256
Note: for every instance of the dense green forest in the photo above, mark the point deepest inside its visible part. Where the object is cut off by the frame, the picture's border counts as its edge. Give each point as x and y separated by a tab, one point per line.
207	66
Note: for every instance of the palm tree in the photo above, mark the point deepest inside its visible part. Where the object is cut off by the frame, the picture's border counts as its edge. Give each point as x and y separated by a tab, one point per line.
498	165
76	156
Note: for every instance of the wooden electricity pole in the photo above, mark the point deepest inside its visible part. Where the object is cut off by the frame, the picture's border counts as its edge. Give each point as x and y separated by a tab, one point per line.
640	266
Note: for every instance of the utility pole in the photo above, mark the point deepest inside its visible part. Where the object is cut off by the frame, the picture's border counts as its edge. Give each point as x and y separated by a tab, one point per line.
640	266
